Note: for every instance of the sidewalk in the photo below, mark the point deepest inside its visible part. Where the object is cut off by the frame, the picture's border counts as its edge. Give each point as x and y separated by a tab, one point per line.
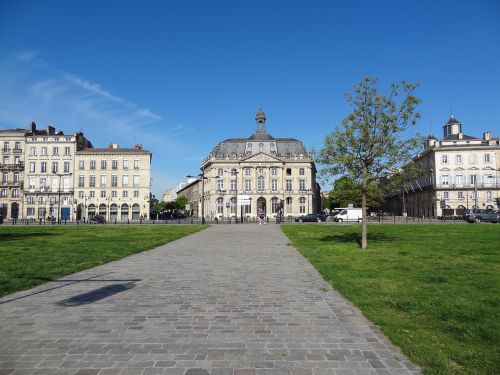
232	299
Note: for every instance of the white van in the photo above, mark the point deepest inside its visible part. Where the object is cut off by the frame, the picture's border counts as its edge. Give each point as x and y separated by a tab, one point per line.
349	214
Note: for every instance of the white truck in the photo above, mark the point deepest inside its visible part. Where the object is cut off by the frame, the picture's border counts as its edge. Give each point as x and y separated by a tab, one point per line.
348	214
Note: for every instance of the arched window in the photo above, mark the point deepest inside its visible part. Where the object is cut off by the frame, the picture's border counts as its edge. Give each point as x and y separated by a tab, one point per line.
260	184
233	205
102	209
124	212
302	205
113	212
275	205
220	205
91	211
136	211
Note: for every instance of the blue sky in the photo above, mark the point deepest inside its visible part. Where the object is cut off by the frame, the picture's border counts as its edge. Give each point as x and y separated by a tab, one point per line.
180	76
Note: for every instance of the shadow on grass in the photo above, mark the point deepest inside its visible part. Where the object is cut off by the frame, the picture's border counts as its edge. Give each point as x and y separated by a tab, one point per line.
23	236
356	237
95	295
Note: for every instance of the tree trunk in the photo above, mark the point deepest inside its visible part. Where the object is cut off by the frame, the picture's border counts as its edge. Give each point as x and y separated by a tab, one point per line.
364	224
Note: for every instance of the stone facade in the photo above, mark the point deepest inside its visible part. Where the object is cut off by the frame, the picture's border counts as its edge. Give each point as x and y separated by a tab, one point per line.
459	172
42	175
243	175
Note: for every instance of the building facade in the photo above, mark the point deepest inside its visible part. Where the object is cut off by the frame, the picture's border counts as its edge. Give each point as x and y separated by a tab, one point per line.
113	182
48	174
244	175
457	172
12	170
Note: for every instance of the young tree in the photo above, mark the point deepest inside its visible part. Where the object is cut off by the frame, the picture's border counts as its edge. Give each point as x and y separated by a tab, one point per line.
372	141
347	191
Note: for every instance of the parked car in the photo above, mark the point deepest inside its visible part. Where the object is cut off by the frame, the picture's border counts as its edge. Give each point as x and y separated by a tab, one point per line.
312	218
97	219
476	216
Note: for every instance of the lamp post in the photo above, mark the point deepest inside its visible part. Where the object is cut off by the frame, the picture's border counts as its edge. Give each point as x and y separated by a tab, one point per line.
60	175
234	172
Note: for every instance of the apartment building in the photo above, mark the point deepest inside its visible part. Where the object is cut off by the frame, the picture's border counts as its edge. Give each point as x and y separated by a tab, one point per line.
12	143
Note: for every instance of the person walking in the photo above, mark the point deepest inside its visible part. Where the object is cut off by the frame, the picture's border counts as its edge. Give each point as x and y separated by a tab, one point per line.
262	215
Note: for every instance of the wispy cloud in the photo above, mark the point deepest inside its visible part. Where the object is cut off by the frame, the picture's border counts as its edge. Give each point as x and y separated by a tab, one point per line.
25	56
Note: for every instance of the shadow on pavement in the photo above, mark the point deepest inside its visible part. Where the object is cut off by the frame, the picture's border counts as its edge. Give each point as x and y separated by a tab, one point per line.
95	295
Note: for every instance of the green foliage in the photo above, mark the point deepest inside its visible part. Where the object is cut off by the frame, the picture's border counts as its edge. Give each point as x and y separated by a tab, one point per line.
371	141
161	206
433	289
346	191
181	202
32	255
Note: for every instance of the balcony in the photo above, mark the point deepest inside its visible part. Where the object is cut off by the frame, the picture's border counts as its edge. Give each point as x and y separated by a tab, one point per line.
12	167
11	183
17	151
479	185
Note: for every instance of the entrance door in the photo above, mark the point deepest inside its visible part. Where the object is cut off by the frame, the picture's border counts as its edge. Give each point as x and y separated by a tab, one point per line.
14	213
65	211
261	204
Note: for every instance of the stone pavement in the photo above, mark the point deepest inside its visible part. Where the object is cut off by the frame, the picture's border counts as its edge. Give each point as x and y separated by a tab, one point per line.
232	299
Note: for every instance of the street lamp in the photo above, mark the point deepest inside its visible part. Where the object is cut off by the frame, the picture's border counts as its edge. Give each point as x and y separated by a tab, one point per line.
59	193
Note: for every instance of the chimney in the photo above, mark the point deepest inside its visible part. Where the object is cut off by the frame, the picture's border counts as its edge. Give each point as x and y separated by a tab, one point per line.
51	130
487	136
113	146
138	146
33	127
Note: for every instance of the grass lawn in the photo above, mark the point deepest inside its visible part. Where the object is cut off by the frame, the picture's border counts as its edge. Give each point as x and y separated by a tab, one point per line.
36	254
433	289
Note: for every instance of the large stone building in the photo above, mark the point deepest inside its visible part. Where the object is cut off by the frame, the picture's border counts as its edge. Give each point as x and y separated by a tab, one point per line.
243	175
43	171
457	172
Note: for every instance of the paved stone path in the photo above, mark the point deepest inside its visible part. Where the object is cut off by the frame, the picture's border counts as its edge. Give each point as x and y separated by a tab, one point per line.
232	299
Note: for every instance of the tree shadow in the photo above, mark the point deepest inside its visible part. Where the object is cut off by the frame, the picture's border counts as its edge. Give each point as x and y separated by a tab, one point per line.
356	237
22	236
95	295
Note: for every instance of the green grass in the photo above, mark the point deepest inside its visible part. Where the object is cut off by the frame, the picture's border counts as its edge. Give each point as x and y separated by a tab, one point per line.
33	255
433	289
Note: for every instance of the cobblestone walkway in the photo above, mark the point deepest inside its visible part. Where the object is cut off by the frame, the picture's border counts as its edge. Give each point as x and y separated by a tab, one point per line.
232	299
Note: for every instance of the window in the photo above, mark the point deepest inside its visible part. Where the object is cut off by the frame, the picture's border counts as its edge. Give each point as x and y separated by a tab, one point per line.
55	151
472	179
43	183
248	171
136	181
114	164
248	185
233	205
444	159
103	180
114	180
32	167
274	171
473	195
81	181
301	171
125	194
15	193
92	194
30	211
274	185
67	151
104	164
103	193
289	205
288	185
444	179
261	146
472	158
66	167
136	193
220	205
81	194
446	194
289	171
5	177
81	165
489	195
92	164
233	185
43	167
125	180
136	164
114	194
220	184
32	151
55	167
487	158
460	195
459	180
302	184
6	146
3	193
489	179
125	164
44	151
92	181
302	205
260	184
275	205
16	178
458	159
220	172
30	200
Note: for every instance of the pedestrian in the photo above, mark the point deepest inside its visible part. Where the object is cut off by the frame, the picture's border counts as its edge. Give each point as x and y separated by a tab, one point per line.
262	215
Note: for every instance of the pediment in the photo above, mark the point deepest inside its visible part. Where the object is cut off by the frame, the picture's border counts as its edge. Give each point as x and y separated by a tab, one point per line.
261	157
